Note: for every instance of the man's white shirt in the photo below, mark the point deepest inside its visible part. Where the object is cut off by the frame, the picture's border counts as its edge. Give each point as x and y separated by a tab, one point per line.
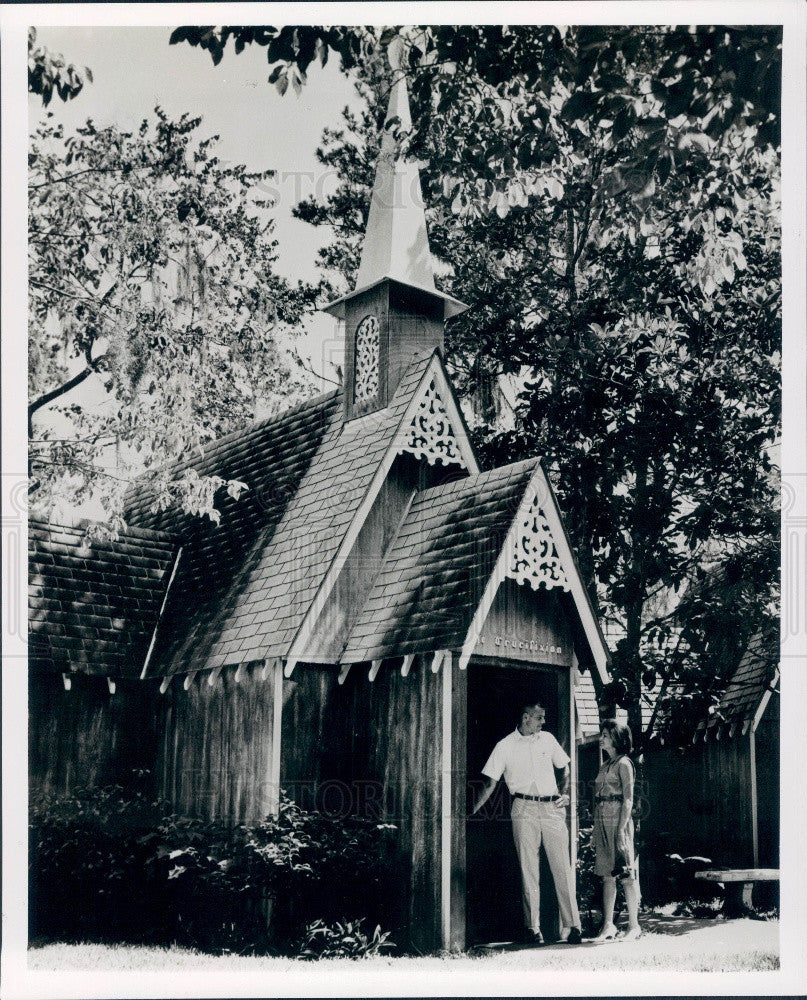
527	763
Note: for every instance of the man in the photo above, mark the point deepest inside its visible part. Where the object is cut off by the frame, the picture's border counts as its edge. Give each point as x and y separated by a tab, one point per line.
527	759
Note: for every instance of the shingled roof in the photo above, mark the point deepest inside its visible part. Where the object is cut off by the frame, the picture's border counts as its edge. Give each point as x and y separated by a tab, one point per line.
217	561
432	580
92	607
588	712
250	587
756	676
747	693
244	587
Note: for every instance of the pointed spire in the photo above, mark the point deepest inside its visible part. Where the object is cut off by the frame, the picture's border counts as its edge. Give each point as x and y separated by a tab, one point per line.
396	243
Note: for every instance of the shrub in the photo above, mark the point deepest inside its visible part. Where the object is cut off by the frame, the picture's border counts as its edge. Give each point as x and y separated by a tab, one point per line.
86	866
133	871
342	940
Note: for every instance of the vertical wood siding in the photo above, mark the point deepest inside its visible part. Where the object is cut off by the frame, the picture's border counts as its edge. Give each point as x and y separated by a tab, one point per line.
86	736
402	720
459	810
373	749
527	625
312	744
699	801
363	563
415	326
767	753
217	746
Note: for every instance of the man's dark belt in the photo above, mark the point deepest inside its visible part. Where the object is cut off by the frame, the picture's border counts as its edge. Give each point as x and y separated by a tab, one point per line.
608	798
536	798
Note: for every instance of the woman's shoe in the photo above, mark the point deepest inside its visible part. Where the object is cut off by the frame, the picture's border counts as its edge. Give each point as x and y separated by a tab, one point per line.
632	934
608	933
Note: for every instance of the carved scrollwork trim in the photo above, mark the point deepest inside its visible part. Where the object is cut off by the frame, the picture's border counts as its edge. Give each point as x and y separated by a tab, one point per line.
366	360
534	557
430	434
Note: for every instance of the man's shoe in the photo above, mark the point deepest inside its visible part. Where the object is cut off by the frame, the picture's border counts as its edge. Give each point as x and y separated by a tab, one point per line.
535	938
575	937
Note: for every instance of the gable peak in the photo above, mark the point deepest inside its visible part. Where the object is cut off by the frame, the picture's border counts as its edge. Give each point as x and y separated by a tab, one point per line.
534	558
430	433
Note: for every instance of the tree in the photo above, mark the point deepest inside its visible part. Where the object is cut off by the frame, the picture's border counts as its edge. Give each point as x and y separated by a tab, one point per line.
608	202
645	302
719	75
48	72
151	273
649	318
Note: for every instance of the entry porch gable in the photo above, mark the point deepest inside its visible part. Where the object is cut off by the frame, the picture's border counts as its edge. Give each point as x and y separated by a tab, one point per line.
537	555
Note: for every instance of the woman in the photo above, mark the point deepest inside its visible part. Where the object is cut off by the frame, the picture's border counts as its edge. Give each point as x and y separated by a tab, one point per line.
613	830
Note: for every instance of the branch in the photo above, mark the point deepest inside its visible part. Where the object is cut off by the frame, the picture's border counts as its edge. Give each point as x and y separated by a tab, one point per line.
48	397
78	173
45	236
85	468
307	367
60	291
92	439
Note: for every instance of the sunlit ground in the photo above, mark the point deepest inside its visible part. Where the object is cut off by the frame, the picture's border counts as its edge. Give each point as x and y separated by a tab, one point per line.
683	943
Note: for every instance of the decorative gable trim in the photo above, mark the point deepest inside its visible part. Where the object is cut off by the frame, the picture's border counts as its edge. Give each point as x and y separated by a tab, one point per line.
431	434
534	558
504	563
433	375
536	551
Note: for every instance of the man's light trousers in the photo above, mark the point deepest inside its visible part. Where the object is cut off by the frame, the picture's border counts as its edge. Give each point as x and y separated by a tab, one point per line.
534	823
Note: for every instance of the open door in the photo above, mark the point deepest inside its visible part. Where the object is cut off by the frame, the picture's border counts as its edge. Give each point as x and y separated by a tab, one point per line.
496	694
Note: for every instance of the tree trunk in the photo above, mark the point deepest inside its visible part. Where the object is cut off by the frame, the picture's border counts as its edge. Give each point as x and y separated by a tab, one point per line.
633	676
632	662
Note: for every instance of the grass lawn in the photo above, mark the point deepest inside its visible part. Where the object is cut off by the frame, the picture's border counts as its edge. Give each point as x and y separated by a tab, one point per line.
684	944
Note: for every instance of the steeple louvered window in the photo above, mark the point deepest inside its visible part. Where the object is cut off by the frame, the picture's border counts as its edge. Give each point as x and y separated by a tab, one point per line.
367	360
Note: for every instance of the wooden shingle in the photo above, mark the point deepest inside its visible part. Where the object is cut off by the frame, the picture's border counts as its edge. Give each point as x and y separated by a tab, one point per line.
220	561
93	608
753	676
427	591
244	586
588	712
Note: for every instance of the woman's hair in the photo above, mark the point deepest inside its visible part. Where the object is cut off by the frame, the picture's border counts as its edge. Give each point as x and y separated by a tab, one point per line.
621	736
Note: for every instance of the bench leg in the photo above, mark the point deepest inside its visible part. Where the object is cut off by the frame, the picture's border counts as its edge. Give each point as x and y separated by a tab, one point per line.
737	899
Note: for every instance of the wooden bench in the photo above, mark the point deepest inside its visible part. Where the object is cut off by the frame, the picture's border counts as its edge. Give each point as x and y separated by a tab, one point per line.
739	885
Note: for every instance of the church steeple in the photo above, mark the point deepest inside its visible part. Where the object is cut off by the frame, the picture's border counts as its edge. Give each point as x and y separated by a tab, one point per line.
395	310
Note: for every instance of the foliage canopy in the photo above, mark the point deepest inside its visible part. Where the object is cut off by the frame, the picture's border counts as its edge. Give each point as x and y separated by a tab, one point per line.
151	274
607	202
49	73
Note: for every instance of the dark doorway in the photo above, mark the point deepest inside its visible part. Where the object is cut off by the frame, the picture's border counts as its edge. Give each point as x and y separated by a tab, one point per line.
493	881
